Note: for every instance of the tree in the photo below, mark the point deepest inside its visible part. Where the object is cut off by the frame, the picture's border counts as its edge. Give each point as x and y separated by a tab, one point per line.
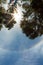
32	24
5	17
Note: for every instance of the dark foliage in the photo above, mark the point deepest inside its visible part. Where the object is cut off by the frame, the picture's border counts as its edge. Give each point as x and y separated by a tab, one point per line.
33	27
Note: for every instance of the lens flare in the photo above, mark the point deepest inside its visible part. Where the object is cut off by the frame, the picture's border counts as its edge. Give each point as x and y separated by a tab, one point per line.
18	14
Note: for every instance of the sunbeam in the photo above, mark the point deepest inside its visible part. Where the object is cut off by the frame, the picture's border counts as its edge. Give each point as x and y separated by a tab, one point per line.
18	14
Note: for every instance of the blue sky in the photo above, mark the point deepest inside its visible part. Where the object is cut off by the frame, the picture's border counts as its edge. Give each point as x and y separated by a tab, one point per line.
17	49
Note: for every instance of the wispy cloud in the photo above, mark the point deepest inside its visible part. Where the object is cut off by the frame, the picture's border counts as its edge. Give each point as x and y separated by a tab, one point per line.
32	56
26	57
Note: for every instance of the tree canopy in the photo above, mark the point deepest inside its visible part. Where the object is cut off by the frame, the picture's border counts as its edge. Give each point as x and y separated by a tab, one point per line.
6	17
32	22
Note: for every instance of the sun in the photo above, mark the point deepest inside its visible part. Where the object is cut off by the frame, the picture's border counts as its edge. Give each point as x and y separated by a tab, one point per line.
18	14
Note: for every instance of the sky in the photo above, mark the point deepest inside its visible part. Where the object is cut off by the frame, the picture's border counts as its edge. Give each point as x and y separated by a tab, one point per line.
17	49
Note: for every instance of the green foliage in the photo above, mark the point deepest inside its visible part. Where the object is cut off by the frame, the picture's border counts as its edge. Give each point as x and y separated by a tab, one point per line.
5	17
32	24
